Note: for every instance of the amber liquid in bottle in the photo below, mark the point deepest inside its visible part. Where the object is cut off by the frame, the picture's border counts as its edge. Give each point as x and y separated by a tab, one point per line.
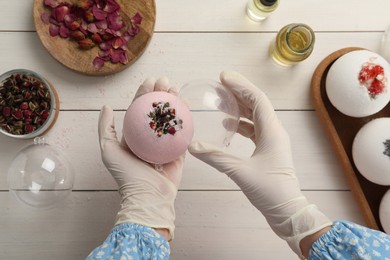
294	43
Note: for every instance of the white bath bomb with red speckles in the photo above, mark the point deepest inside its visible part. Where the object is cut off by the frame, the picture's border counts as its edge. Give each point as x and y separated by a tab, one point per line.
384	212
357	83
371	151
158	127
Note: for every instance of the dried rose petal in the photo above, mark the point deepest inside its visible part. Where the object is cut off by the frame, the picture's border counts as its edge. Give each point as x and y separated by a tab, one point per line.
54	30
64	32
60	12
45	17
119	56
92	28
114	32
124	59
71	22
102	24
105	55
111	6
52	3
98	13
137	19
105	46
98	62
84	28
117	42
115	21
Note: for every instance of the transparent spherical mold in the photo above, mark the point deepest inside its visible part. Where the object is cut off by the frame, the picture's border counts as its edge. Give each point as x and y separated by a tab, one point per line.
214	109
40	176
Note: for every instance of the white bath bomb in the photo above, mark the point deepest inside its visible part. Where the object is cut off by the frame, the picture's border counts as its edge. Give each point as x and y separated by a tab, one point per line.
357	83
371	151
158	127
384	212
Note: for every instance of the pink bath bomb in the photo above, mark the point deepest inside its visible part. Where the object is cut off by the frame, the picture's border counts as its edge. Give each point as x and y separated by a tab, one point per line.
158	127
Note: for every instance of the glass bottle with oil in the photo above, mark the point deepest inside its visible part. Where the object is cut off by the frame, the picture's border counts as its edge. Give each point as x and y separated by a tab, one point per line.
258	10
293	44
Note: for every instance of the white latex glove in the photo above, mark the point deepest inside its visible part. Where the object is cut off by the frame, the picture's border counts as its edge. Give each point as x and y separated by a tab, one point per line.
147	195
268	177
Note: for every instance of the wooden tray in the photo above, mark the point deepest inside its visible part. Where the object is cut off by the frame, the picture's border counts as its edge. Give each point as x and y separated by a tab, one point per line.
341	130
67	53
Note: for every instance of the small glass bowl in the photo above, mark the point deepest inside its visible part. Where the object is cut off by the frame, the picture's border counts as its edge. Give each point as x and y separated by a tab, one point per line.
53	111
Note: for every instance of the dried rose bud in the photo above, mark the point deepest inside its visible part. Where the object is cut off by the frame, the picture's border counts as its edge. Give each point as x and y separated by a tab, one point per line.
45	114
89	17
171	130
77	35
84	4
29	128
6	111
27	95
17	114
27	113
23	106
107	36
96	38
86	44
73	25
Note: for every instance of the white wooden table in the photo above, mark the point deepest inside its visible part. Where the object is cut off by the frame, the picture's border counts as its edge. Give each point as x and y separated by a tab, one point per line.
192	40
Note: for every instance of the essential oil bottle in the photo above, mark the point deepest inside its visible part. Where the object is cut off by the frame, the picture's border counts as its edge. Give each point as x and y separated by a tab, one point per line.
258	10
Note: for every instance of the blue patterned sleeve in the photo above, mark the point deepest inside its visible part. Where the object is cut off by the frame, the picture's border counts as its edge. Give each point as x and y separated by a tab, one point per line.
132	241
348	240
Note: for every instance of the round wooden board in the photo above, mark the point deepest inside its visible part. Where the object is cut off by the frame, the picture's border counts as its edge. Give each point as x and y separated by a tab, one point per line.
67	52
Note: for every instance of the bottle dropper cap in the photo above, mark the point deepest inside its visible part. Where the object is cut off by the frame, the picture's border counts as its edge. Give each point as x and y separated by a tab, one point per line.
268	2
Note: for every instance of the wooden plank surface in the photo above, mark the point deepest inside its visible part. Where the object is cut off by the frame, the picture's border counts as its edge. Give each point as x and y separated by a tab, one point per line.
229	15
182	57
209	225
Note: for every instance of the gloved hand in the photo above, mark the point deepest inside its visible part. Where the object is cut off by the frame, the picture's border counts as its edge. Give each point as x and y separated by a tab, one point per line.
267	178
147	195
